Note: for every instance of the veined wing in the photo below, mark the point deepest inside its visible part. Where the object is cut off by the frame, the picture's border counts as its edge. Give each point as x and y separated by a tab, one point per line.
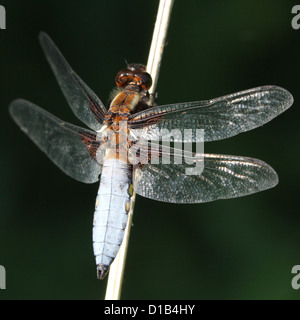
70	147
83	101
220	118
223	177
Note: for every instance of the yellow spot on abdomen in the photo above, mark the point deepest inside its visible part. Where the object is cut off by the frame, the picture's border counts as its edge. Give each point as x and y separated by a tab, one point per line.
127	206
131	190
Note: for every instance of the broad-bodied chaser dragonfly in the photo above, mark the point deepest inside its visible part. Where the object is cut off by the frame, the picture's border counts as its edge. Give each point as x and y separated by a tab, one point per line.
85	154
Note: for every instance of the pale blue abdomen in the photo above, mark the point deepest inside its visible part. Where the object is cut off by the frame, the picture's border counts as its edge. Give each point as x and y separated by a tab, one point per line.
111	213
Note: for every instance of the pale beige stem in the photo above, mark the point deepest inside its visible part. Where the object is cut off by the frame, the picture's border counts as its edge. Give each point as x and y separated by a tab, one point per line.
158	40
114	283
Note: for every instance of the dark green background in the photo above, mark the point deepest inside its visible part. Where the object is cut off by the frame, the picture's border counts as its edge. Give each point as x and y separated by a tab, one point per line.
243	248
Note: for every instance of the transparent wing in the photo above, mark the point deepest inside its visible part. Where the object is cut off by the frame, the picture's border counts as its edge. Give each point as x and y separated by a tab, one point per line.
220	118
70	147
83	101
223	177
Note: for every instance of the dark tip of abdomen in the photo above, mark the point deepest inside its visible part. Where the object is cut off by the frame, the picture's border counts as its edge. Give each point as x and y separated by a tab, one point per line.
102	270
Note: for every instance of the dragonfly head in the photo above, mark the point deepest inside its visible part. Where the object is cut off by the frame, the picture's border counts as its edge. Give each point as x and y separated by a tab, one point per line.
135	74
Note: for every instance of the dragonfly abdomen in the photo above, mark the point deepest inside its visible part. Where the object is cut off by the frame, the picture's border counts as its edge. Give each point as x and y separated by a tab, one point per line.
111	213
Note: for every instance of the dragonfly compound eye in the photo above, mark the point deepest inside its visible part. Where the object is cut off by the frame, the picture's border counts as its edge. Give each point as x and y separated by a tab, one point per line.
145	80
135	74
124	77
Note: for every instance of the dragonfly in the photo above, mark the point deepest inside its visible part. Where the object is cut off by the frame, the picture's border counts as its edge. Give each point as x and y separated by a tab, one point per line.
105	150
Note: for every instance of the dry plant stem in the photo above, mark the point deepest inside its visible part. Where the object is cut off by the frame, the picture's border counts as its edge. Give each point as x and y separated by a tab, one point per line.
158	40
114	283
